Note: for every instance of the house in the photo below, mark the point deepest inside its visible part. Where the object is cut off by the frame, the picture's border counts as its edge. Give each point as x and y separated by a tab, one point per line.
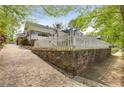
34	31
41	36
40	32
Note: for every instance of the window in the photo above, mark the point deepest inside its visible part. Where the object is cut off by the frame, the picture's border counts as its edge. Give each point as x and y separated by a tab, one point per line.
43	34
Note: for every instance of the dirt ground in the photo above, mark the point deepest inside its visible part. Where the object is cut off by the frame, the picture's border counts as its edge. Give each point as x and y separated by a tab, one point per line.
20	67
110	72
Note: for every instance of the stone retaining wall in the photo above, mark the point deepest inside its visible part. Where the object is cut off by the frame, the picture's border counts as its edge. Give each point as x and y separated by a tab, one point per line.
76	61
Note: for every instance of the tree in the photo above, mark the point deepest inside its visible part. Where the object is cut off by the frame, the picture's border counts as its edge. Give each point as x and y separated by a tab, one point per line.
56	11
11	18
95	34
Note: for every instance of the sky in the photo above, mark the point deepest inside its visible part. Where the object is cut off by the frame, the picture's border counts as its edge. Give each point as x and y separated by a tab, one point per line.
39	17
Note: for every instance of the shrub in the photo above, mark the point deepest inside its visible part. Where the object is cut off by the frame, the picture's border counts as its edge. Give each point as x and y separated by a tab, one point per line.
24	41
114	50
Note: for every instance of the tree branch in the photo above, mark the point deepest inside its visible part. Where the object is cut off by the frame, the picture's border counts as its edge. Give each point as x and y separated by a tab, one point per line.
46	10
99	15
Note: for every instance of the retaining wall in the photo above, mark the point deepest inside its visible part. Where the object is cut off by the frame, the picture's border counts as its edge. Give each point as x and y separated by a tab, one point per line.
76	61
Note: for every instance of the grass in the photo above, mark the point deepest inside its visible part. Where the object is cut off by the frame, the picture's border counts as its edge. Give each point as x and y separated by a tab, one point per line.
114	50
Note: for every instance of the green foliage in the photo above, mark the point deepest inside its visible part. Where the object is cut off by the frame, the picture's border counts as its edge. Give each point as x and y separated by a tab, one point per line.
11	18
114	50
56	11
91	33
24	41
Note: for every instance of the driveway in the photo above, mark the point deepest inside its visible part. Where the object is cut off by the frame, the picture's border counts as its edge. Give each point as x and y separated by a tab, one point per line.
20	67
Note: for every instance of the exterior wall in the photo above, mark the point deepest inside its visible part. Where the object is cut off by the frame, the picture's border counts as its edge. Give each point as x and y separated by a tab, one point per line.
76	61
42	43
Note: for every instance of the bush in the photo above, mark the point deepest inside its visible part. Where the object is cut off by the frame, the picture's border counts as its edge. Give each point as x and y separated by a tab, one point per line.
24	41
114	50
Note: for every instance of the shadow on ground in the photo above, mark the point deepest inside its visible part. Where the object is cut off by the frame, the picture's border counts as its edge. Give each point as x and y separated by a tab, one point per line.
109	72
98	71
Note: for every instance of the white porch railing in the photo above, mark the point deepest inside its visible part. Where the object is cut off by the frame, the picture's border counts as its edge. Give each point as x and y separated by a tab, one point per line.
71	42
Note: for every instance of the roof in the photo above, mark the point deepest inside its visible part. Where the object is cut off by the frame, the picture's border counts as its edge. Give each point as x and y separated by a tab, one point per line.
38	27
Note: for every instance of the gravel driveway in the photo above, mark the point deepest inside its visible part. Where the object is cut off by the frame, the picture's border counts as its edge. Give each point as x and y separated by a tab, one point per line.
20	67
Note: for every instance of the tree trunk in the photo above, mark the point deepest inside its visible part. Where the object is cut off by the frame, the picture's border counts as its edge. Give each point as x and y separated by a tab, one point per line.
122	14
122	11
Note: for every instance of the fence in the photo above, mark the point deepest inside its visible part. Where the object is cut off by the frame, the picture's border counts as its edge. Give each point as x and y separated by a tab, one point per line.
71	42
